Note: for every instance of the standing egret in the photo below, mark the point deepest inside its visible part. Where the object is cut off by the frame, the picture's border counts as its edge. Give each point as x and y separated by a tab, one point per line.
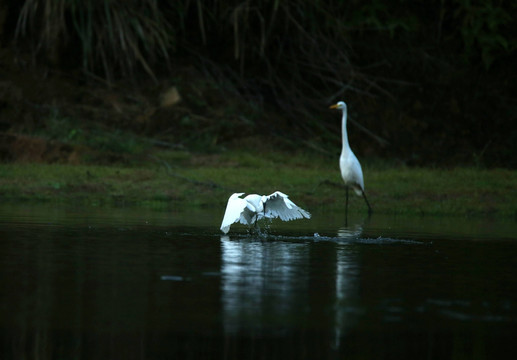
254	207
351	171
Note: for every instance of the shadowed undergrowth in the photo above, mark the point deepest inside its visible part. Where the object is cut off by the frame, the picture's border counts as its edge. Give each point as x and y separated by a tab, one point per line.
272	68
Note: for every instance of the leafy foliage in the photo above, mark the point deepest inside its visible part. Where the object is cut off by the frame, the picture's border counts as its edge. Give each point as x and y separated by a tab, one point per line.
484	28
113	35
427	81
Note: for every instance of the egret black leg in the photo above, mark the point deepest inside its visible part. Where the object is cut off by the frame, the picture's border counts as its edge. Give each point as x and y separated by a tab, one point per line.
346	204
253	225
254	228
367	203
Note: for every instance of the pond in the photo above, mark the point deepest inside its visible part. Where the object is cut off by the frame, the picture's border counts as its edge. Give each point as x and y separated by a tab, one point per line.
133	283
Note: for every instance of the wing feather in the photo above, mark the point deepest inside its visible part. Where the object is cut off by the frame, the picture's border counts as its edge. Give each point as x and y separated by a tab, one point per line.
234	212
279	205
247	216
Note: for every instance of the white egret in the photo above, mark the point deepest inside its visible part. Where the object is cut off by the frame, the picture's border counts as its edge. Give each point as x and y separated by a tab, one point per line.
351	171
250	209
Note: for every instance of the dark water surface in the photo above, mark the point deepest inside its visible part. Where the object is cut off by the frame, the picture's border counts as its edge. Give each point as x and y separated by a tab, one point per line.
141	284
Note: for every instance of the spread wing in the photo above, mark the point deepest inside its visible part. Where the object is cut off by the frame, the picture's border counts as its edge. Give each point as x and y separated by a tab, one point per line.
235	211
279	205
248	216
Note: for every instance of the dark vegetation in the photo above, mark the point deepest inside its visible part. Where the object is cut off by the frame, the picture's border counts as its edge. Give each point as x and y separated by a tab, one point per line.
427	82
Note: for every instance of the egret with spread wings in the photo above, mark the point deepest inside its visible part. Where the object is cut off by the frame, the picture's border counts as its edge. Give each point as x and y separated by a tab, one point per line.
250	209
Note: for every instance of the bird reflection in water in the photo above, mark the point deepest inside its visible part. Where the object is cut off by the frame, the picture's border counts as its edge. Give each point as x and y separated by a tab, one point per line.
278	287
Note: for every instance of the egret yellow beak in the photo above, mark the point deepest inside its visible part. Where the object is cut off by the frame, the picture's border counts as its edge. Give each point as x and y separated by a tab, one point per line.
333	106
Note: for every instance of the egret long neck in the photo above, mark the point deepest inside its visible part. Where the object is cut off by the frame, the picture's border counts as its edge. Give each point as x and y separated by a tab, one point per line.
344	134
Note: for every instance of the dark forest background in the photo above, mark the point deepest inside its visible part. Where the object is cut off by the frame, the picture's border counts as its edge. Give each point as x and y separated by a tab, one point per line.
428	83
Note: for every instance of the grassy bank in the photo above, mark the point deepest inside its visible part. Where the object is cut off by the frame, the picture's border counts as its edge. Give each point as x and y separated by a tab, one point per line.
181	179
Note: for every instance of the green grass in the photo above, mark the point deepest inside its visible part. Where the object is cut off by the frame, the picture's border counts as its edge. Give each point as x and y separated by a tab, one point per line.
314	183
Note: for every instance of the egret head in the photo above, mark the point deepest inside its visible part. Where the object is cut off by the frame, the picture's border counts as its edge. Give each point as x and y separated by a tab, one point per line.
340	105
236	195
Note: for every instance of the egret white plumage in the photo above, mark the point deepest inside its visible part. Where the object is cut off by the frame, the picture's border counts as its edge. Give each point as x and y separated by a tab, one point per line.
351	171
250	209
